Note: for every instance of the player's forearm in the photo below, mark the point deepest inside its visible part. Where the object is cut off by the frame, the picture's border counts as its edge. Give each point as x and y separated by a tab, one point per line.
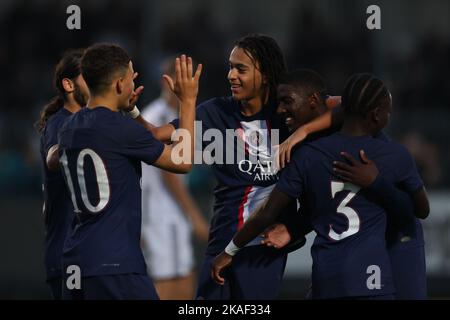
140	119
187	118
263	217
397	203
331	118
162	133
320	123
257	223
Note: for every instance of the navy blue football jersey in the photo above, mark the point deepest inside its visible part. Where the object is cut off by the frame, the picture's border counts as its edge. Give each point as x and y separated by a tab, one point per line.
244	184
57	205
406	247
410	235
101	153
350	257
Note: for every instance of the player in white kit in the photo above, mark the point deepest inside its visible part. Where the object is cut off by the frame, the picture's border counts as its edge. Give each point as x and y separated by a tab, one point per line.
169	214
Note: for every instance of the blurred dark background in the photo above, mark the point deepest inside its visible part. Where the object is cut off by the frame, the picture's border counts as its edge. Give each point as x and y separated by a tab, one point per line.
411	53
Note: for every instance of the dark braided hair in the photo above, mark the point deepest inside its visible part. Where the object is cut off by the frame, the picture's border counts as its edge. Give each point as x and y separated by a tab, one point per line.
264	50
363	93
68	67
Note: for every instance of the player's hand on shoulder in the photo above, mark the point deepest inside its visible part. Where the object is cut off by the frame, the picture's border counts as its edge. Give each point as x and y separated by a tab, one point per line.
219	263
277	236
285	149
333	101
362	173
185	84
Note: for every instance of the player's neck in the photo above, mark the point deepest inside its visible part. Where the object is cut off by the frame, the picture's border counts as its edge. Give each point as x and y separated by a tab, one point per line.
249	107
354	126
254	105
102	101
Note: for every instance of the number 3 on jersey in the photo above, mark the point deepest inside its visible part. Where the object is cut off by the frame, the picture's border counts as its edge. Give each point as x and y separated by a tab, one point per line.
101	179
351	215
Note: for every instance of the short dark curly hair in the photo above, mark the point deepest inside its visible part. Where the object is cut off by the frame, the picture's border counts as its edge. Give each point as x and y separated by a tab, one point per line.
308	79
100	63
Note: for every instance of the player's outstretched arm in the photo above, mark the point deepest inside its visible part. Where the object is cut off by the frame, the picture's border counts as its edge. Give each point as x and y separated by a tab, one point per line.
290	234
253	227
178	157
161	133
327	120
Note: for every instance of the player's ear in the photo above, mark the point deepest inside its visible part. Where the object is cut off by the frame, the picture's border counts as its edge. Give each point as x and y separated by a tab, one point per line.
375	115
119	85
68	85
314	100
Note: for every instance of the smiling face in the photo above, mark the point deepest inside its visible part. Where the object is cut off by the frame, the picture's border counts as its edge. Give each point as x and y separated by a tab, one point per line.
245	79
295	106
